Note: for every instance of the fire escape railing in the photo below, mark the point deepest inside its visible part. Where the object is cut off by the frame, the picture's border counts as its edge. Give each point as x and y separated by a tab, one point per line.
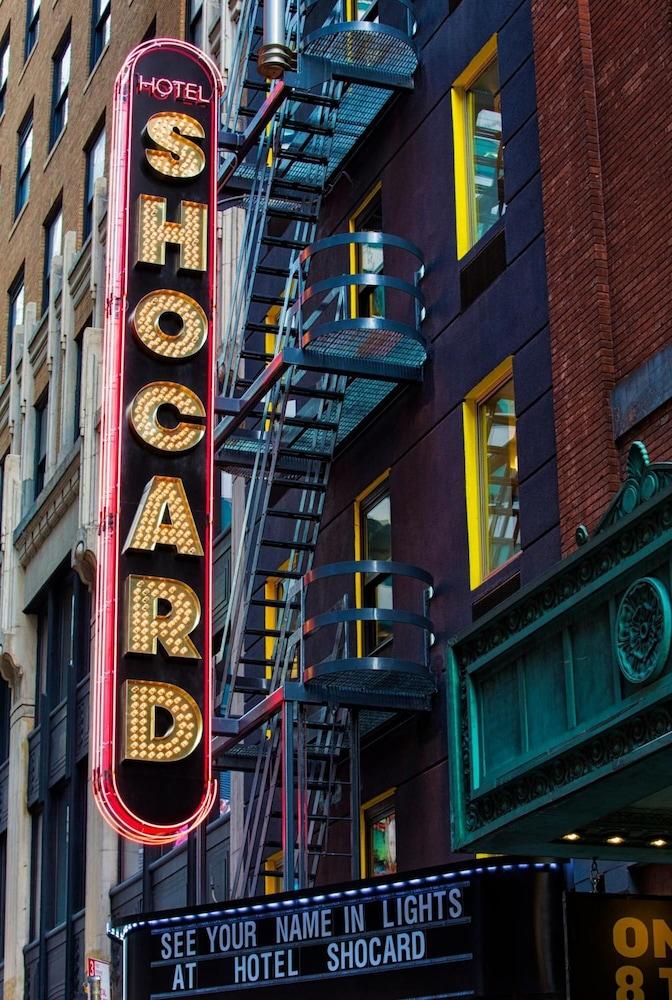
302	364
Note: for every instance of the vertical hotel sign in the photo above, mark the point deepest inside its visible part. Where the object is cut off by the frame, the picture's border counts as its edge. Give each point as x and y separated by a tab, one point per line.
151	741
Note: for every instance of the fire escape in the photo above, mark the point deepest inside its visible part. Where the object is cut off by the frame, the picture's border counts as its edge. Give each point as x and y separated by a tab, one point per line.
303	364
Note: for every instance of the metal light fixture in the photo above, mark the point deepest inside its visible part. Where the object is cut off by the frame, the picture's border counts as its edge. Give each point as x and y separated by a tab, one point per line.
275	57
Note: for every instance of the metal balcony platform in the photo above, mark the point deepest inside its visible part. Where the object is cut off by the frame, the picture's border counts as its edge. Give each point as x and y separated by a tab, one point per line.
399	666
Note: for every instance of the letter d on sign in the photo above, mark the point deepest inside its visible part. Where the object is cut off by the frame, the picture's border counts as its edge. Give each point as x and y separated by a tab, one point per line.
144	699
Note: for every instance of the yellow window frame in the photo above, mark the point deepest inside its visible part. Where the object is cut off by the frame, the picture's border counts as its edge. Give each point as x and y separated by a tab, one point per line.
465	205
271	615
352	228
359	578
363	810
273	883
474	469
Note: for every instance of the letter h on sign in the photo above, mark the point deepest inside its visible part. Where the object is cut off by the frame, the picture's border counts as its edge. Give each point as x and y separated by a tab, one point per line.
151	761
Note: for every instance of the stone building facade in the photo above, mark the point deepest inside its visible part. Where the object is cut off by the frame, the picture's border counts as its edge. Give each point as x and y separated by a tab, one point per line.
58	859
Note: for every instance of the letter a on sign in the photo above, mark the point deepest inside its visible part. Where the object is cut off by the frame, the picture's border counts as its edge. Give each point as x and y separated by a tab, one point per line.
151	767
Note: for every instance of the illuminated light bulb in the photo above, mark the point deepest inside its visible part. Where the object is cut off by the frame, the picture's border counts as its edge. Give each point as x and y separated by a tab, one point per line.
571	836
615	840
659	842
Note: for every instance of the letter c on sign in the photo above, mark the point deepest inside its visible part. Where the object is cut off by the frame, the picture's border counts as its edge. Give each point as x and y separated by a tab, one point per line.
631	938
144	417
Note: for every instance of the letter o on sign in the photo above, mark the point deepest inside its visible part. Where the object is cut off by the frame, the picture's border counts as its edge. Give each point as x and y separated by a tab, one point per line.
631	938
146	322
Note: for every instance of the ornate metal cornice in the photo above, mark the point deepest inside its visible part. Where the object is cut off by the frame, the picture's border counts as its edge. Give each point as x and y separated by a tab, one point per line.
638	519
643	481
567	768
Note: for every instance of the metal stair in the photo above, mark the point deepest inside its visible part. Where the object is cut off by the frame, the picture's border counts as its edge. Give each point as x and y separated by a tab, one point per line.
287	370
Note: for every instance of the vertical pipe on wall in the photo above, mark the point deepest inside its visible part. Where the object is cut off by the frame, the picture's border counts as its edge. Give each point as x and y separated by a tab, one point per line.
355	794
288	824
302	796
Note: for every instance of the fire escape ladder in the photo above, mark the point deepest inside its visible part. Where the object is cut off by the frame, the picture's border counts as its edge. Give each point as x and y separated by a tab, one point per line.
301	366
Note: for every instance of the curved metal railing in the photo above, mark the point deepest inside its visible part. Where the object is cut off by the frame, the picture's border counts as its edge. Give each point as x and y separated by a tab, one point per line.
327	312
384	44
334	648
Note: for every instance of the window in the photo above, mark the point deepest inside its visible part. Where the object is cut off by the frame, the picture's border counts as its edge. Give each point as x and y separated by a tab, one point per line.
35	873
224	510
273	871
40	466
151	30
14	316
53	242
41	672
362	10
63	662
129	859
379	835
57	871
367	300
373	540
4	71
195	23
61	82
25	153
277	616
32	25
100	28
491	465
478	149
59	816
95	167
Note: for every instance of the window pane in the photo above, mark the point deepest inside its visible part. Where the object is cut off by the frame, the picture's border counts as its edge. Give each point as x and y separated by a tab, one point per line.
14	319
499	464
65	649
42	645
52	248
370	260
35	873
40	446
4	64
486	150
97	159
382	840
95	168
377	544
379	530
57	874
23	165
16	306
195	22
26	148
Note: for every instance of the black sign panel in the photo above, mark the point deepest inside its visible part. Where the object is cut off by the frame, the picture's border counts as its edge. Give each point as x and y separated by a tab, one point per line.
619	947
450	932
151	763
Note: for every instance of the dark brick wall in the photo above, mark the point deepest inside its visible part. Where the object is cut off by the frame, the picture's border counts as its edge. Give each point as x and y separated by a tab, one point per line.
606	164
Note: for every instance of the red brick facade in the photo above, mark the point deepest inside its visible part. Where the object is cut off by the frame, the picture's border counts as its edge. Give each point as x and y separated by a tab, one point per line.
603	82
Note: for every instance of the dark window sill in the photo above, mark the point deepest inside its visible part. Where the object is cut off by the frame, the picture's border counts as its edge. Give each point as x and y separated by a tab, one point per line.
500	584
483	264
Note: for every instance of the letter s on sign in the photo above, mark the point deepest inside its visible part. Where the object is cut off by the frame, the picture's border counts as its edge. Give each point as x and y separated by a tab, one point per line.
177	156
